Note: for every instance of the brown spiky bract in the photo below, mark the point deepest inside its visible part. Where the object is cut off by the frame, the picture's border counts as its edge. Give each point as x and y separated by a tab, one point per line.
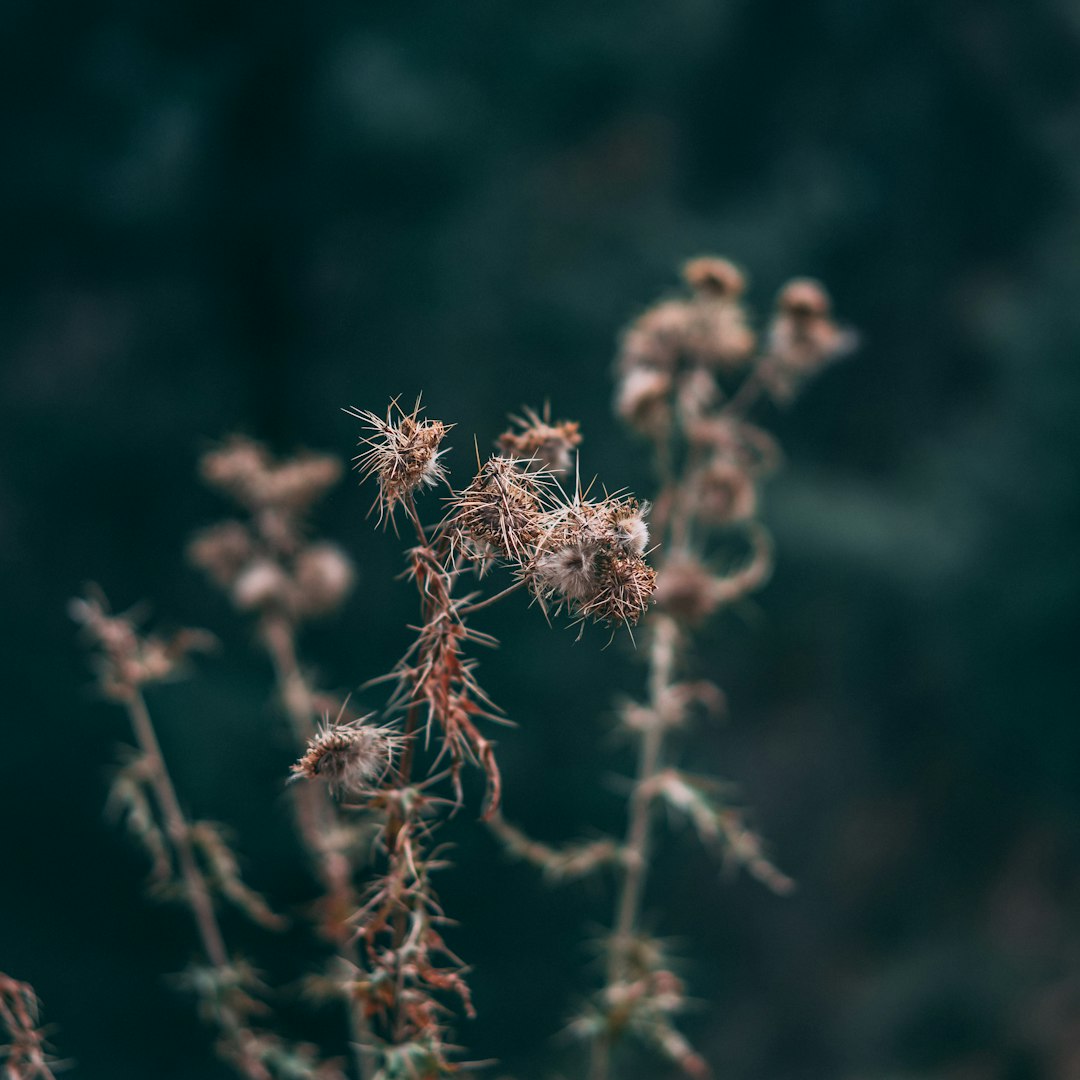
689	370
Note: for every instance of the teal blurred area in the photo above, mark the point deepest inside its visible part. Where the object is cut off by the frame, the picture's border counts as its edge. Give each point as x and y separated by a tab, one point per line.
226	216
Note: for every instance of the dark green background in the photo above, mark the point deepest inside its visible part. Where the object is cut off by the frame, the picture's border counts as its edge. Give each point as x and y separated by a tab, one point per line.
221	215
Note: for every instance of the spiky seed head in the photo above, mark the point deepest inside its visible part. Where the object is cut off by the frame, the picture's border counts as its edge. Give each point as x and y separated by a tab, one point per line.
349	757
501	509
804	296
402	453
235	467
714	277
222	551
568	571
686	589
654	340
625	590
261	584
538	440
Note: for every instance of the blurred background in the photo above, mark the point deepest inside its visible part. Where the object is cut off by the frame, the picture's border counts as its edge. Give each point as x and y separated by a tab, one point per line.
229	217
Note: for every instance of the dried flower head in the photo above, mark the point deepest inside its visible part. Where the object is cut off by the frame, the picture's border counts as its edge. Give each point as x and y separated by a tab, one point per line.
260	585
626	587
715	277
655	339
246	471
717	336
643	401
501	509
803	338
549	446
348	756
591	557
127	660
222	551
686	589
402	453
804	297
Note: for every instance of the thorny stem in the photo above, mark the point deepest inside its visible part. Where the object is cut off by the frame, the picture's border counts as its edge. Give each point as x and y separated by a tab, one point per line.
199	899
314	816
178	830
481	604
672	520
636	848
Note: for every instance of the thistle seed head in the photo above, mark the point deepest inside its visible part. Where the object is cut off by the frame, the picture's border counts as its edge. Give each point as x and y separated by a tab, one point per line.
568	571
591	558
501	510
627	522
402	453
246	471
686	590
538	441
349	757
804	297
803	339
222	551
714	277
625	590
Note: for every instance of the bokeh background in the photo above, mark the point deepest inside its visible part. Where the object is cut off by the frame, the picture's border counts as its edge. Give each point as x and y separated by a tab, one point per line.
227	216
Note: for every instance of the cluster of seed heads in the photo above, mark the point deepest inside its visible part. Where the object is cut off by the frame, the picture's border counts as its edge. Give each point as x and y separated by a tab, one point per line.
266	564
585	555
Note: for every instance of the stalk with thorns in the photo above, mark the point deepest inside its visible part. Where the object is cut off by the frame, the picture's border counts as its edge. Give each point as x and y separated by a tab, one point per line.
192	860
690	369
583	555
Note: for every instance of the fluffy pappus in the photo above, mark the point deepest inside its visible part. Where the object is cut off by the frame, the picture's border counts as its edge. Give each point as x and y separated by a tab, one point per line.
629	530
568	571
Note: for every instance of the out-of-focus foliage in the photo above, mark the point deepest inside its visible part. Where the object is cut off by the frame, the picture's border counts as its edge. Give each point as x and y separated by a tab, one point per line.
223	214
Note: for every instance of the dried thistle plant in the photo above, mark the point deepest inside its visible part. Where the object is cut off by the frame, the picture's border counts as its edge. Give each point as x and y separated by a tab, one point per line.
689	371
192	860
405	774
272	571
